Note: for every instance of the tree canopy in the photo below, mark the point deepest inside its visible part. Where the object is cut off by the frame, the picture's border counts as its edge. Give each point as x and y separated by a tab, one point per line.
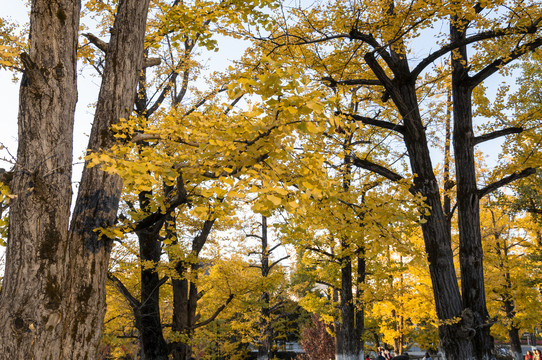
332	174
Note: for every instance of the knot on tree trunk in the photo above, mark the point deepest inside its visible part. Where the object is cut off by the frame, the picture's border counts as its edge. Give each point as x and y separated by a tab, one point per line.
467	324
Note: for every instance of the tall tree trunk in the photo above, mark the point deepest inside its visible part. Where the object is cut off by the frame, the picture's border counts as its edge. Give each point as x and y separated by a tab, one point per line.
501	247
265	347
349	347
337	327
153	344
360	305
56	277
402	90
182	313
185	295
33	316
468	202
515	344
97	202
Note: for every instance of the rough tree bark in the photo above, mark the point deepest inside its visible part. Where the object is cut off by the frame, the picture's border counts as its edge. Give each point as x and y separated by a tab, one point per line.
53	296
30	302
454	336
360	305
349	347
468	201
153	344
186	296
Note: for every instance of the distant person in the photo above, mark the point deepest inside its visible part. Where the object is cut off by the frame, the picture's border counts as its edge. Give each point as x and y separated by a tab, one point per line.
529	356
367	357
537	355
427	356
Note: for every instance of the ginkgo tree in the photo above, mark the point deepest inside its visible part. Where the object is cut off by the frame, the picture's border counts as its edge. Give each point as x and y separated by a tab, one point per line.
512	293
58	310
373	45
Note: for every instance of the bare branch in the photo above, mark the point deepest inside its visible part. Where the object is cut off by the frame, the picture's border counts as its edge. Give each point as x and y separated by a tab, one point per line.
134	303
100	44
496	134
505	60
217	312
278	261
148	62
162	96
491	34
505	181
369	82
377	169
273	248
323	252
378	123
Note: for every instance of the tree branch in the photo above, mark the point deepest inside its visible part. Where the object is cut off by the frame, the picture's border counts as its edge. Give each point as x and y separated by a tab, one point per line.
279	260
100	44
201	238
217	312
486	35
325	283
378	123
134	303
505	60
377	169
162	96
323	252
505	181
178	200
273	248
148	62
214	175
333	83
496	134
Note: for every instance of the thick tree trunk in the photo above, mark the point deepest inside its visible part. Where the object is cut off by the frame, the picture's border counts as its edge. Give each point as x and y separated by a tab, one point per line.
185	296
453	335
508	300
360	305
182	313
53	299
31	324
87	255
153	344
515	344
348	349
470	239
437	239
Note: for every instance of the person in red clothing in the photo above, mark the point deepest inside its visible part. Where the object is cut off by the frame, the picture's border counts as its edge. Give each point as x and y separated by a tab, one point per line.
529	356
